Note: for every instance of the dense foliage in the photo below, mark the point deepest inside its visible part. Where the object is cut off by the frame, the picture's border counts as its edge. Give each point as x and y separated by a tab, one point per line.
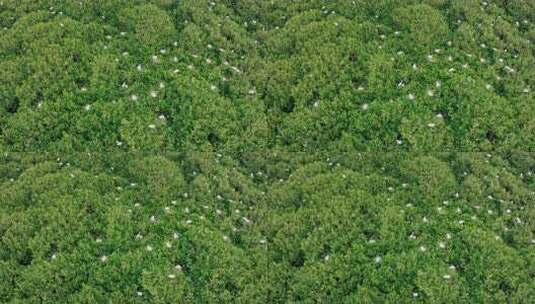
244	151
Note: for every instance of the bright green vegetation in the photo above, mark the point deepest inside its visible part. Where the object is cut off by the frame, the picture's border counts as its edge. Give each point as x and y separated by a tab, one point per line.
240	151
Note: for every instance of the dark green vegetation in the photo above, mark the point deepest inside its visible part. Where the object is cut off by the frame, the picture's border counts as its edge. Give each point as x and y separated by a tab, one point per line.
244	76
240	151
272	228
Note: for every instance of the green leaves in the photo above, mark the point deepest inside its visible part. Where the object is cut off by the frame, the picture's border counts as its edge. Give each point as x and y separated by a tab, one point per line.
437	183
160	175
245	151
151	25
208	228
427	26
382	76
306	77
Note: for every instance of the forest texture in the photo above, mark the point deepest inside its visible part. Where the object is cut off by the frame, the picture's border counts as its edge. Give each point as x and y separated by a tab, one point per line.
240	151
